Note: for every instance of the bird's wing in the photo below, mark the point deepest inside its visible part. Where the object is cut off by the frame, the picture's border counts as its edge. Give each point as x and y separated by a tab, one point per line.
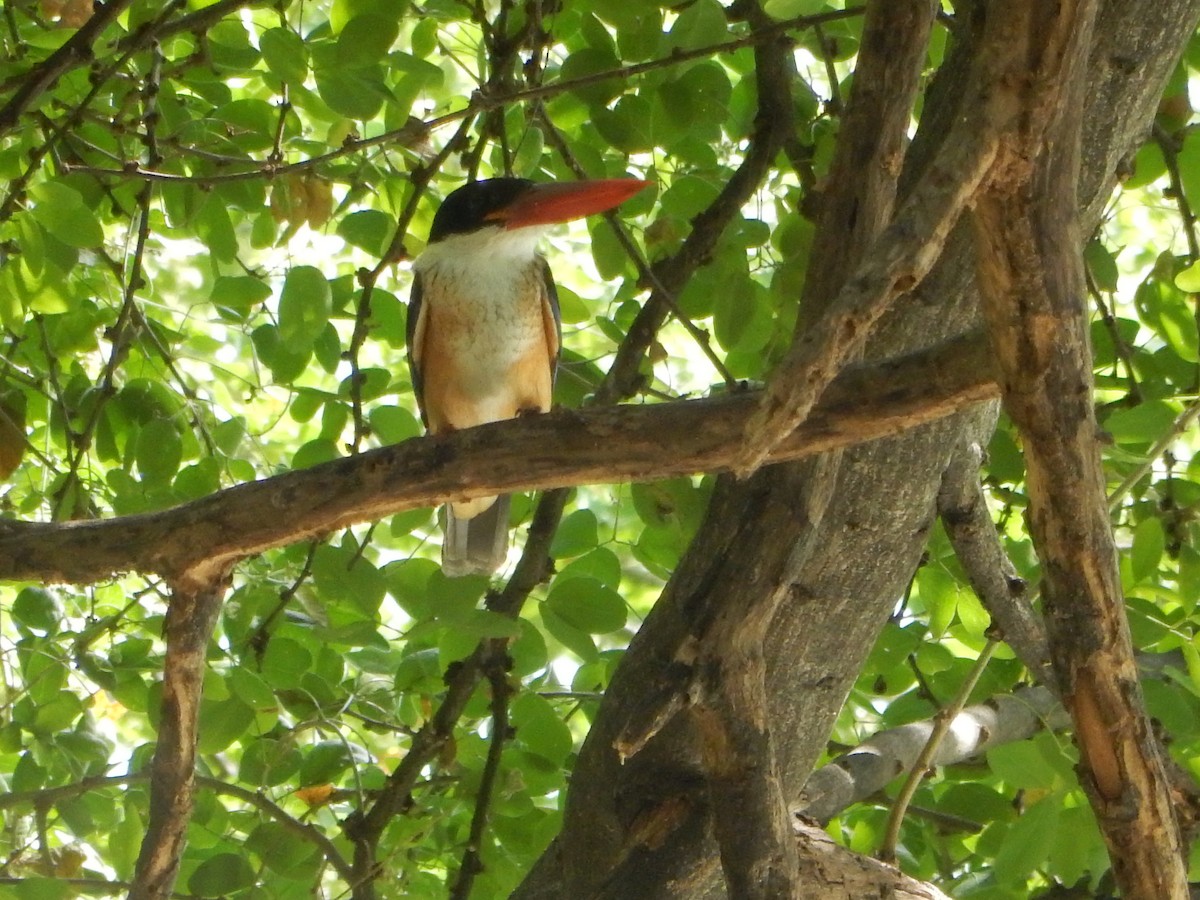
551	318
415	338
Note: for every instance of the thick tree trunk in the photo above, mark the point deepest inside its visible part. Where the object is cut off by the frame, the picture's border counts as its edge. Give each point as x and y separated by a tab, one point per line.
841	540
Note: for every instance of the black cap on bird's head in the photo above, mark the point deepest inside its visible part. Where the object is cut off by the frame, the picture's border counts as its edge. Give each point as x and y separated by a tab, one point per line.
520	203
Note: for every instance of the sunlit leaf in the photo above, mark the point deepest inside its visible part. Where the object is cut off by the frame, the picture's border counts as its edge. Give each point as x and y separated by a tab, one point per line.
61	211
304	307
222	874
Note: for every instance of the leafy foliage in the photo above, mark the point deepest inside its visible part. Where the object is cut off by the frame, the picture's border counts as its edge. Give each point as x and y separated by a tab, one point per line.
203	245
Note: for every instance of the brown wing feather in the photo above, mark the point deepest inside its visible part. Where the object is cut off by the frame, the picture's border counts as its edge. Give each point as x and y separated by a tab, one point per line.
415	329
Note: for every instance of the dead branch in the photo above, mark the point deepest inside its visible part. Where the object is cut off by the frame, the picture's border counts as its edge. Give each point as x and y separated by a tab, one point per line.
831	872
1030	271
877	761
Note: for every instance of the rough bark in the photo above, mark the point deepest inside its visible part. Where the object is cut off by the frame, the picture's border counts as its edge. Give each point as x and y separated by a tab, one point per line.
963	509
1031	275
832	872
191	617
851	566
901	255
569	447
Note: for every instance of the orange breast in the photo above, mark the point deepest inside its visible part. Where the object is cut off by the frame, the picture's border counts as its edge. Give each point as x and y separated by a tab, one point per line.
484	358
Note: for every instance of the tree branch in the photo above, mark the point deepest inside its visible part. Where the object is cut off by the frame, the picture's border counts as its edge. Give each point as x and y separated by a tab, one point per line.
771	128
901	257
559	449
472	862
831	872
1004	594
942	723
1027	237
76	51
365	828
875	763
191	617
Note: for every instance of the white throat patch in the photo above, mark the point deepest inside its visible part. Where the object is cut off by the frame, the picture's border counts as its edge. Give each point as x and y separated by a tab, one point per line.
484	248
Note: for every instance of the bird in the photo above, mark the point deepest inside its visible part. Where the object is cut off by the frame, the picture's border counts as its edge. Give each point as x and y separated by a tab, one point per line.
484	330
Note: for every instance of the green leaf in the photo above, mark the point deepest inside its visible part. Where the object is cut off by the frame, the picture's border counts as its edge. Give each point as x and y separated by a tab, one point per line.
577	534
1102	265
1022	765
601	564
1149	545
61	211
607	252
215	229
57	715
742	318
528	156
222	874
343	11
367	39
627	126
790	9
587	63
304	308
38	609
230	47
27	774
586	604
540	729
574	639
939	594
280	849
326	760
1148	166
159	451
35	887
343	574
1077	848
1143	424
1028	842
240	292
124	841
424	38
283	52
285	662
573	308
393	424
701	24
528	652
356	92
222	722
367	229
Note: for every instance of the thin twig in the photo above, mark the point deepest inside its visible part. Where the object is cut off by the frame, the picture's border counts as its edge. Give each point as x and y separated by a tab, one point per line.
76	51
1170	147
1182	423
412	132
123	332
258	638
472	862
369	277
646	274
16	188
1120	346
942	721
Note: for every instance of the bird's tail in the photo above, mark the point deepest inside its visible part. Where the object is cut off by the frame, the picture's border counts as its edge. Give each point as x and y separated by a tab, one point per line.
478	545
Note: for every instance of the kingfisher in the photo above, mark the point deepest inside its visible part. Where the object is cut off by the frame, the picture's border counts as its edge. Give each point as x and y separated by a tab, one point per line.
484	329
